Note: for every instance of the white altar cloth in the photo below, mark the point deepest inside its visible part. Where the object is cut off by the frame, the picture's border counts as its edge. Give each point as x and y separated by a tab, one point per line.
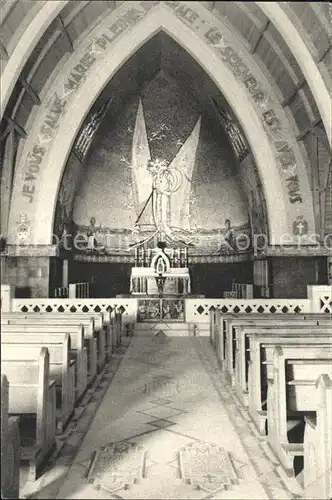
143	281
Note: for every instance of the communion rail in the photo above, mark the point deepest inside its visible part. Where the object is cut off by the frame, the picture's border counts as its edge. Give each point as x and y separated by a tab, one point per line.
128	307
319	300
196	309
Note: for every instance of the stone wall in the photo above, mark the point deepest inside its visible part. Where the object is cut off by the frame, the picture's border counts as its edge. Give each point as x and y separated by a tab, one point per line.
212	280
290	275
29	276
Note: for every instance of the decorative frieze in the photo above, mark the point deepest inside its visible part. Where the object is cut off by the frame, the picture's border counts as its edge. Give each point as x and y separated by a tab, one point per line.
31	251
297	251
194	259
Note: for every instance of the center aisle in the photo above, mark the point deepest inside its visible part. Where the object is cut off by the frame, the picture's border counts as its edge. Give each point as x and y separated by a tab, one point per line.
169	427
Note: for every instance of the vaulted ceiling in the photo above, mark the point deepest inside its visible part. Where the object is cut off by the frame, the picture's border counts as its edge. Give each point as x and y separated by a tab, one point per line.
65	25
248	19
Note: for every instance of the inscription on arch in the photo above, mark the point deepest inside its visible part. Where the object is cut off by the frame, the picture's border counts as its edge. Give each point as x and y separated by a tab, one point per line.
57	104
214	37
202	25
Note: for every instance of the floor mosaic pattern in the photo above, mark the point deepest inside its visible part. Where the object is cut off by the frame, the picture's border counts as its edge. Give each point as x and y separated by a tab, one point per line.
164	424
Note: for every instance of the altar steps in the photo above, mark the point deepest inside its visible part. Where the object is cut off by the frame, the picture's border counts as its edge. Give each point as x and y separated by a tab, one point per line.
164	329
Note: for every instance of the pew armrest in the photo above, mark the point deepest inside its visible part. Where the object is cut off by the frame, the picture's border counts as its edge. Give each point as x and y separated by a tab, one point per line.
294	449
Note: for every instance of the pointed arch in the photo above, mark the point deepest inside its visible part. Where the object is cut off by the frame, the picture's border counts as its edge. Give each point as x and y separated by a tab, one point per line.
124	46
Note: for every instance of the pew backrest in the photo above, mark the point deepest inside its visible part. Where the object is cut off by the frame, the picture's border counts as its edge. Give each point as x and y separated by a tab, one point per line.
318	444
51	334
15	348
307	355
29	386
274	319
100	319
42	321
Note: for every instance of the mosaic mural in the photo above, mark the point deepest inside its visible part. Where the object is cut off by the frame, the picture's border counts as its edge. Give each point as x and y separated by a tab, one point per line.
164	171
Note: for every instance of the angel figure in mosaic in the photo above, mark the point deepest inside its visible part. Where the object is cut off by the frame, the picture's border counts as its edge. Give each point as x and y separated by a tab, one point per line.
162	189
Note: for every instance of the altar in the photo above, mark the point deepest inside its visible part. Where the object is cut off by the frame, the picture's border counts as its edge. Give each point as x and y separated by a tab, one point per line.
143	281
160	265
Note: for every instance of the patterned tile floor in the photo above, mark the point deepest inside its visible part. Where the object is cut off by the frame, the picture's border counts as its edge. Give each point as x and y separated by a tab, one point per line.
161	423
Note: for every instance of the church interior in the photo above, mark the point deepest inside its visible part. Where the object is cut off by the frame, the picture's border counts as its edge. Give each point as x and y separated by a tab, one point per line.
166	249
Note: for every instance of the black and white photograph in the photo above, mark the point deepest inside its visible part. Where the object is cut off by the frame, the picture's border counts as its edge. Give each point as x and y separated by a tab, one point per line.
166	250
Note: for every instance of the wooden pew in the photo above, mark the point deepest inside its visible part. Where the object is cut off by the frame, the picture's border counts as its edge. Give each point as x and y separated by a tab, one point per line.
103	321
93	327
62	369
83	348
102	325
241	352
317	444
227	341
32	397
10	447
112	321
261	346
233	336
236	323
292	395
